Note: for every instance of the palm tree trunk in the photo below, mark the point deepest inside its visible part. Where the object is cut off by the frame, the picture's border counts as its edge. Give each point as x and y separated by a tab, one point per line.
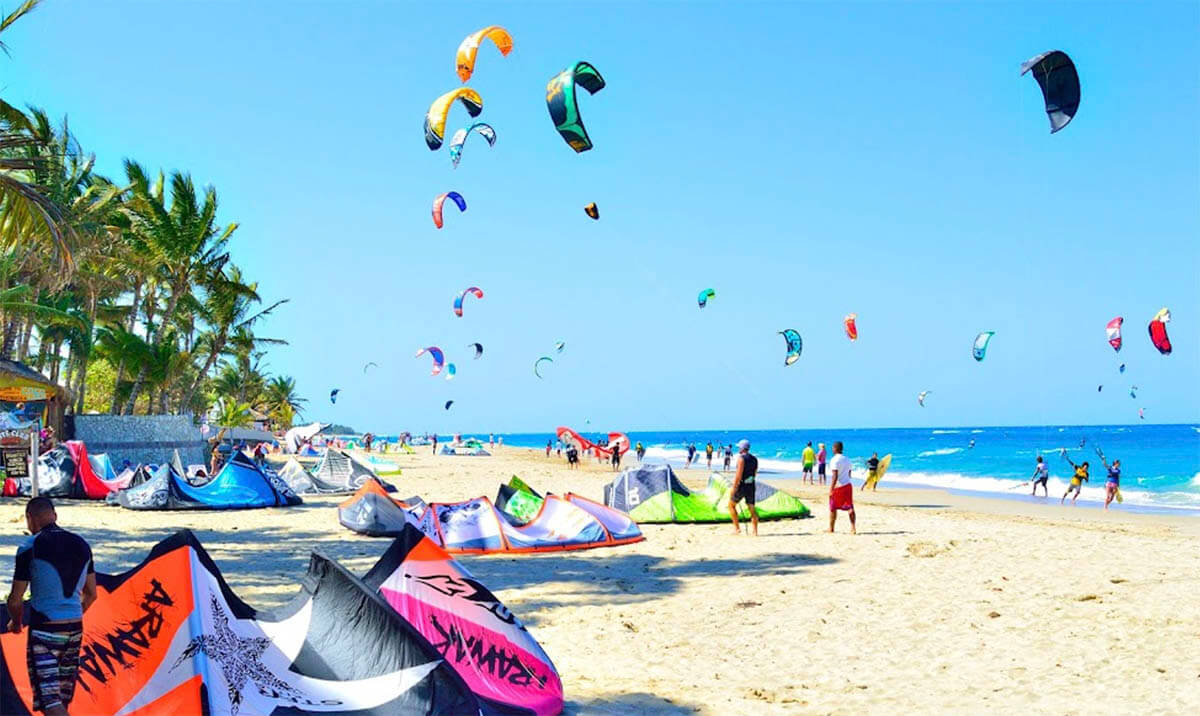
155	341
81	385
26	337
115	405
10	339
218	346
55	359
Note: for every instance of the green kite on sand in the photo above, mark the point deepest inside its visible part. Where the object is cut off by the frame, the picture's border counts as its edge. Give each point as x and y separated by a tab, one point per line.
652	493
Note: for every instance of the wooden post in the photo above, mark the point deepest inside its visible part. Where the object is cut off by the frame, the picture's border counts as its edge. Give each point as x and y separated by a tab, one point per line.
33	461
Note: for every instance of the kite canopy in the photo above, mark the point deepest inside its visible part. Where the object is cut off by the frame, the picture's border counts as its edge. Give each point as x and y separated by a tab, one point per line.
564	107
451	371
476	526
851	326
794	345
449	403
559	346
592	211
171	637
337	473
537	363
435	353
372	364
1113	330
295	437
478	349
704	295
435	119
458	300
240	485
652	493
441	199
921	398
1055	74
1158	331
979	350
438	596
67	471
333	394
464	59
460	138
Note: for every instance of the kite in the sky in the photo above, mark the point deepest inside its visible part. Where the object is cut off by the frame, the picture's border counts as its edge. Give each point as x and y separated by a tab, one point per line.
592	211
794	345
1055	74
449	403
979	350
564	107
478	349
370	365
1133	391
1142	413
1113	330
537	363
1122	368
706	294
1158	331
464	59
921	398
850	323
458	301
437	205
559	346
435	118
460	138
439	359
333	394
1099	388
450	371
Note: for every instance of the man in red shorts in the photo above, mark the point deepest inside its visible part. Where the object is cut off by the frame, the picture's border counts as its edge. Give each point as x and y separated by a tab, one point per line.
841	491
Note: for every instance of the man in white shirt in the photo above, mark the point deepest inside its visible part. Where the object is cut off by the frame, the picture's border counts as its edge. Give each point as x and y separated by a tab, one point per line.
841	491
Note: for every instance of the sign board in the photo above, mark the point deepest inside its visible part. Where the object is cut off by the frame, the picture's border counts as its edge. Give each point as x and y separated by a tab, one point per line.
23	393
15	462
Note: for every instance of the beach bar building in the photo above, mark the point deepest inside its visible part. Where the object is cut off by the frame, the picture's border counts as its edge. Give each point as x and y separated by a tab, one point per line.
26	395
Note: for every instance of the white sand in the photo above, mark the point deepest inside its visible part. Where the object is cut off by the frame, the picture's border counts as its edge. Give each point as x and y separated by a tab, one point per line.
941	603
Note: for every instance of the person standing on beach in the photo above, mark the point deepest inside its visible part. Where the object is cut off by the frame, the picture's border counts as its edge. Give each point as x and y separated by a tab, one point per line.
548	446
616	457
491	441
691	450
1041	475
708	452
841	491
743	487
435	443
1112	485
728	457
1077	480
821	462
56	567
808	457
872	471
640	450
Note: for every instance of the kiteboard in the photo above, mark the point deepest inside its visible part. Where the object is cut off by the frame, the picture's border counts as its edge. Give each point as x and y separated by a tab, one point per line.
884	463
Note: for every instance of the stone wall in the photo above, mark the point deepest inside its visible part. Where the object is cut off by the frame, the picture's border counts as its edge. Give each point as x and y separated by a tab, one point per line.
148	439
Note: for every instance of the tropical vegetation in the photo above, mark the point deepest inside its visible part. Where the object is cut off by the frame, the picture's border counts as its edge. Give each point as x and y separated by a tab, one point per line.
126	279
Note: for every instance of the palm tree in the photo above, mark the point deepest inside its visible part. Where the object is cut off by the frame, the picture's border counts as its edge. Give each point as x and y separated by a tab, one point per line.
182	239
232	414
281	400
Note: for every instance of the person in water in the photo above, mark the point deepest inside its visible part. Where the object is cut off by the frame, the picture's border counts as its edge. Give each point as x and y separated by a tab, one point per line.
708	452
1041	475
1112	485
1077	480
691	450
743	487
640	450
872	471
809	458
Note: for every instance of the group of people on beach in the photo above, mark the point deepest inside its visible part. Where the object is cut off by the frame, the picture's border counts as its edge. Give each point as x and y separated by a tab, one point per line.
841	490
1112	485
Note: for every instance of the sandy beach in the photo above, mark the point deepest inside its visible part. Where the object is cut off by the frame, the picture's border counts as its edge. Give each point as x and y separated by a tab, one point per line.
940	603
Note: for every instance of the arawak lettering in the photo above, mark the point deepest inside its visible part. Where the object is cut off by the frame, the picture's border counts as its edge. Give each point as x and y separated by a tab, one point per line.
487	657
100	657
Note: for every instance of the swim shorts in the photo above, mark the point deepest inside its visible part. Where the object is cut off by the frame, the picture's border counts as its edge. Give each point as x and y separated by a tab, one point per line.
821	469
808	467
1075	487
842	498
1040	481
52	655
745	492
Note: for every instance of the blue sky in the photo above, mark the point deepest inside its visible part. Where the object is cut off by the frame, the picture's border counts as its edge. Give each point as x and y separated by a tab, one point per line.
804	160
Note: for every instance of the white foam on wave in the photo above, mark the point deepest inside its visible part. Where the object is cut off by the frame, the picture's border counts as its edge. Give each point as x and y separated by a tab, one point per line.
939	451
945	432
1196	480
964	483
976	432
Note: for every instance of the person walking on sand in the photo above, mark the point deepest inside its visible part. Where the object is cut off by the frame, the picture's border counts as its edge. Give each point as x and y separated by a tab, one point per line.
808	457
640	450
435	443
728	458
1041	475
872	472
743	487
56	567
821	462
841	491
708	452
1077	480
1112	486
548	446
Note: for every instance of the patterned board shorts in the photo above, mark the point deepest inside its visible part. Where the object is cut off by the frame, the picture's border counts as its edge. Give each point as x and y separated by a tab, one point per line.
53	658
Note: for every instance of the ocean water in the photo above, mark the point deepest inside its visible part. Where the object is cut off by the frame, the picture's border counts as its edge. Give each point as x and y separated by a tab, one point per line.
1160	464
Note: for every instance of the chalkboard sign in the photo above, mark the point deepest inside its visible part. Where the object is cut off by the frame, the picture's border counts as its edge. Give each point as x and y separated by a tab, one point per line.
16	462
